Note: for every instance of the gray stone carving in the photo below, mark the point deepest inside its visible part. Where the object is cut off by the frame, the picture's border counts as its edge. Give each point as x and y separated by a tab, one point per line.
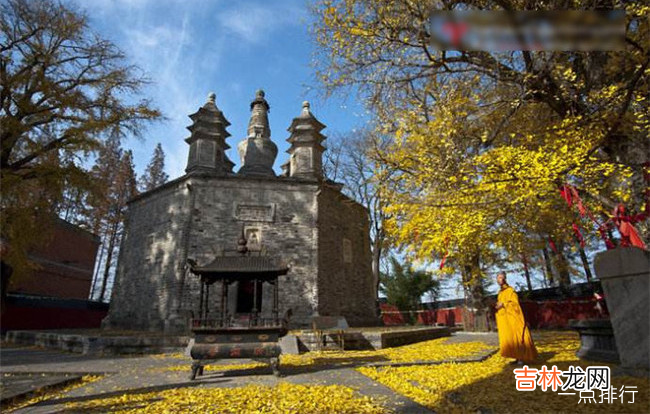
249	212
624	273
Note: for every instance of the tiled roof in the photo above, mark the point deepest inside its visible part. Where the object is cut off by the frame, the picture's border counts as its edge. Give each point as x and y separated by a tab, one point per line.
243	264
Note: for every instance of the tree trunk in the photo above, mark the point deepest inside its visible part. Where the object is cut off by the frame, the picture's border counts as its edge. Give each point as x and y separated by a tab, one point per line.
527	274
109	258
562	266
547	266
97	268
585	263
475	295
376	259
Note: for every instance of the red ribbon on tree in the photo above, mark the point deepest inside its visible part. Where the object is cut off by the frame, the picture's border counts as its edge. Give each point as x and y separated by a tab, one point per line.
603	234
444	258
571	196
581	208
566	195
625	223
576	231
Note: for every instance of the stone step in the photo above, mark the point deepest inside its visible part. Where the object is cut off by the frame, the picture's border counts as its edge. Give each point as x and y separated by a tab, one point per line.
99	345
368	340
20	386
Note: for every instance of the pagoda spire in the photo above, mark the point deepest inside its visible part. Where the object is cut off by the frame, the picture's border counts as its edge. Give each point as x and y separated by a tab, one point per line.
257	151
306	150
207	140
259	122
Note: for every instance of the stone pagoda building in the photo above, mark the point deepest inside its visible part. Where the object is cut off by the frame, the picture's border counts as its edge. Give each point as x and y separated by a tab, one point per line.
298	217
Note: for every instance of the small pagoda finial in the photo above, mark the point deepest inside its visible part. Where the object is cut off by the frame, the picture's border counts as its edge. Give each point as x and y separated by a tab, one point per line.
306	146
212	97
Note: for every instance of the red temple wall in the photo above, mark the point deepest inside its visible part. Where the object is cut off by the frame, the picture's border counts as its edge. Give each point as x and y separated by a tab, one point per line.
538	314
65	263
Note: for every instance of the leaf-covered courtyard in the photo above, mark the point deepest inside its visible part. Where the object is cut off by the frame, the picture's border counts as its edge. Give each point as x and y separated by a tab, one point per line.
433	375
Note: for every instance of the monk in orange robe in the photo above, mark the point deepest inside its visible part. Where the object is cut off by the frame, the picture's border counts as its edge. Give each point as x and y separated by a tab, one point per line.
514	336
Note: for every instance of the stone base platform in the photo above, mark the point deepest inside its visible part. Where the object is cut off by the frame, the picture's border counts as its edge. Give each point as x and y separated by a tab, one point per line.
597	342
371	338
114	343
89	343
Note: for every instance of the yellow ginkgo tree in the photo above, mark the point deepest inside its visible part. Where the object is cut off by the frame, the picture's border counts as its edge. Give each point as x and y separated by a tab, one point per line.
482	142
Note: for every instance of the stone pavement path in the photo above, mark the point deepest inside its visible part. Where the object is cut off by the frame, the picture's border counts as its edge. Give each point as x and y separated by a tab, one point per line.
489	338
148	373
14	386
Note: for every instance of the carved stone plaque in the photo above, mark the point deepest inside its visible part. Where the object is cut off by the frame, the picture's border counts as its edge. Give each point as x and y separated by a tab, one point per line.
304	159
250	212
206	153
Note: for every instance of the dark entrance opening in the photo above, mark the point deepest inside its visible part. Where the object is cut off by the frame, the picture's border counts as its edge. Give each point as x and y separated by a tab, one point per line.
245	295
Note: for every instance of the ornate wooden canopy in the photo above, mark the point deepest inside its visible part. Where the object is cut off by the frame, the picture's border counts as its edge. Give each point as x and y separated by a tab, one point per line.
241	267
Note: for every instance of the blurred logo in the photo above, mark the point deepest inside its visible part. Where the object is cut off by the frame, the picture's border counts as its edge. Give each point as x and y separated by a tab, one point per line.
569	30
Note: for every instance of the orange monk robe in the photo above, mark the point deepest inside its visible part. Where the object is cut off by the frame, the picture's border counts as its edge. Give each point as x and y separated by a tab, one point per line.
514	336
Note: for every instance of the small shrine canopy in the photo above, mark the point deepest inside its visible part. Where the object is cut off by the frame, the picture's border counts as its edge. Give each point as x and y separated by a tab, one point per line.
243	265
243	331
239	267
250	270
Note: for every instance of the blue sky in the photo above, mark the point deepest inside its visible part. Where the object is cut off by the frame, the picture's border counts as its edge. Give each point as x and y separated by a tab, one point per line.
189	48
193	47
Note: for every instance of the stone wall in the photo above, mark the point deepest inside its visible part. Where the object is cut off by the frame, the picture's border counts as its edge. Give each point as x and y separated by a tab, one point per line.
150	259
282	214
344	267
199	217
322	235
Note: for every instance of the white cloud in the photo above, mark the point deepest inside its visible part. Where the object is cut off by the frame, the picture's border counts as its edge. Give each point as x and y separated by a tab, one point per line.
182	46
161	45
150	37
111	5
254	23
153	45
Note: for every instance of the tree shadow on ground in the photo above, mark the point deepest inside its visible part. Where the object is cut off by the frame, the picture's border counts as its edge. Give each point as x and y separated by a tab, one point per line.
320	364
12	355
288	369
123	405
497	393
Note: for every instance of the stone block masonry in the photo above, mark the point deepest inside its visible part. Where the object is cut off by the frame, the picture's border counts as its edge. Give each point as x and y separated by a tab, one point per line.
320	233
344	260
299	218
